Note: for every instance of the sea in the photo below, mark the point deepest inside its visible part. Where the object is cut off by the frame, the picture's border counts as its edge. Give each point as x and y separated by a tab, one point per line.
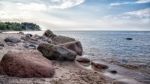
114	45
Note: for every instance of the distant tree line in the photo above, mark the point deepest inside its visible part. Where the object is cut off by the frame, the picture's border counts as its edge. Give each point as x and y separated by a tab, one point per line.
14	26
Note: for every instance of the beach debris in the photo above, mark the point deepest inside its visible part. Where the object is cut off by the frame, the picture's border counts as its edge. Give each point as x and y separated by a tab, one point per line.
99	66
26	64
74	46
12	40
129	38
55	52
83	60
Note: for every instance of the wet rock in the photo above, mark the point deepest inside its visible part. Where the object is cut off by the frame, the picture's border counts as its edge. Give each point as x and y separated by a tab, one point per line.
1	44
62	39
12	40
83	60
49	33
30	46
27	64
99	66
74	46
28	35
113	71
129	38
21	33
10	44
1	32
55	52
120	82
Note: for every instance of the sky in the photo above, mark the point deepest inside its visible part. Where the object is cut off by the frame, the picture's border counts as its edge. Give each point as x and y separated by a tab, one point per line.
79	14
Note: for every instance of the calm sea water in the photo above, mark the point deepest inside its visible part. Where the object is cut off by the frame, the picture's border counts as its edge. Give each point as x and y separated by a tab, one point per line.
110	46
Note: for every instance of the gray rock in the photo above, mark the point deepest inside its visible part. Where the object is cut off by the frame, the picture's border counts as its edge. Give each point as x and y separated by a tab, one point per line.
83	60
29	35
49	33
74	46
1	44
12	40
30	46
54	52
62	39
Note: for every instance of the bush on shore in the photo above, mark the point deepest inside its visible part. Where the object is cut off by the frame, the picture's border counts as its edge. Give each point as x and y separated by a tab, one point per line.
14	26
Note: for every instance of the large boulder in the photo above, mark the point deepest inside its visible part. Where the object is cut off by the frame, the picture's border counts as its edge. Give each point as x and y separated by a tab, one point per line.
62	39
55	52
26	64
12	40
74	46
49	33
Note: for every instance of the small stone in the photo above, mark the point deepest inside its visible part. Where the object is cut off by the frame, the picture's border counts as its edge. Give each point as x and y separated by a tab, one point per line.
82	59
12	40
99	66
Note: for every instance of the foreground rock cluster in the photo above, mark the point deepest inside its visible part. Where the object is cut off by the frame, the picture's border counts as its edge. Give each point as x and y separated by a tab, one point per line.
35	59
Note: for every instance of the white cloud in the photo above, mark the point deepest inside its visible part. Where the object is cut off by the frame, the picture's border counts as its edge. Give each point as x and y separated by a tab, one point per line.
126	3
143	1
135	19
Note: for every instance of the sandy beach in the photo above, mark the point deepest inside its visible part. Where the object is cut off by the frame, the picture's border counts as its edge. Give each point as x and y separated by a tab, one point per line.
66	72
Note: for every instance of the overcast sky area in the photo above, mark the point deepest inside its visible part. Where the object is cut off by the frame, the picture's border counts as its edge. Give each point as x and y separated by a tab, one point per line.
79	14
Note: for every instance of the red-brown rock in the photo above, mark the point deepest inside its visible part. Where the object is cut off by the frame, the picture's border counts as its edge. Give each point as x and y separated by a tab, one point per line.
74	46
99	66
26	64
83	60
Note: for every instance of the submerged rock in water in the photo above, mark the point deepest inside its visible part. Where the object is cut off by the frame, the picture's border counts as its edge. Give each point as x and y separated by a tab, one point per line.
99	66
54	52
129	38
12	40
26	64
74	46
113	71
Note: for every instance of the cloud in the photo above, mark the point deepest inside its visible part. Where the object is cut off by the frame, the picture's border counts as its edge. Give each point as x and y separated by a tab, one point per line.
38	11
126	3
136	19
143	1
58	4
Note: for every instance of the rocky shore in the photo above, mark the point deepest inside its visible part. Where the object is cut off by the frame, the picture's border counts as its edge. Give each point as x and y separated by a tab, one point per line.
49	59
